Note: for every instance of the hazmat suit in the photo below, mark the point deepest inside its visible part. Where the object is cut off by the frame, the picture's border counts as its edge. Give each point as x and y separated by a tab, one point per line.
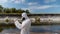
25	26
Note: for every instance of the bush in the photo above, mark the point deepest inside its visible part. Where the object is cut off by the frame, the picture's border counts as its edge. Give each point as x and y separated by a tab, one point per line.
7	20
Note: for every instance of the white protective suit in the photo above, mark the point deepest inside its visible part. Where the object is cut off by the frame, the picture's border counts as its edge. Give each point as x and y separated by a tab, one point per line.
25	26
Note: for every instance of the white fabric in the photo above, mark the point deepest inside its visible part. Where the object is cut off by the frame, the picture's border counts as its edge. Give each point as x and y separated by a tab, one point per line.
17	24
25	26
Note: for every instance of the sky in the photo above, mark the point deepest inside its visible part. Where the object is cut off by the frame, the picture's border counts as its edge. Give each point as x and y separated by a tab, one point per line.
34	6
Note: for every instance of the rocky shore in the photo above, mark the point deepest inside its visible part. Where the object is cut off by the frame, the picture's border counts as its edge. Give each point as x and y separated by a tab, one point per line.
18	32
31	33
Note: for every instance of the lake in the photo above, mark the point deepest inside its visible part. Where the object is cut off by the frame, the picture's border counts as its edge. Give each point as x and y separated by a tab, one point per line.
42	29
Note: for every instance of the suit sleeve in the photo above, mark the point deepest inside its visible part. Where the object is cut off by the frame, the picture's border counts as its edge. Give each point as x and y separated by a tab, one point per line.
25	24
17	24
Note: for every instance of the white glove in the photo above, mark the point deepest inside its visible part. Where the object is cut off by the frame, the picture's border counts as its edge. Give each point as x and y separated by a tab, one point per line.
15	19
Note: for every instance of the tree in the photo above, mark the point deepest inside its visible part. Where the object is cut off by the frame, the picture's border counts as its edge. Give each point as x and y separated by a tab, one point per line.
27	11
1	8
13	10
20	11
7	10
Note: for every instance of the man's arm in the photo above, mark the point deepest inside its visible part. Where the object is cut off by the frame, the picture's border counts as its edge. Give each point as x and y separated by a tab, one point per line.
25	24
17	24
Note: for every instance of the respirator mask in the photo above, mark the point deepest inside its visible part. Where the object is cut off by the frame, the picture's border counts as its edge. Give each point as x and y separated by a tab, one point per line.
22	19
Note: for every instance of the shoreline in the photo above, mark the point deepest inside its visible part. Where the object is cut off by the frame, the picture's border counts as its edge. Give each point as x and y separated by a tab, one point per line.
31	33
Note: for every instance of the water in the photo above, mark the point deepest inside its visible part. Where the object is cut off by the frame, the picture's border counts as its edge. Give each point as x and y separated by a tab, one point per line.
48	28
44	28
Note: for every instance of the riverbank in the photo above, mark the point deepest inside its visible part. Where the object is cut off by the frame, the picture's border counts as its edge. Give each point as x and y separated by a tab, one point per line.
30	33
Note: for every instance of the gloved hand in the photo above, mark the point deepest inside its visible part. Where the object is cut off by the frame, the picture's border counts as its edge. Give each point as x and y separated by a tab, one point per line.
15	19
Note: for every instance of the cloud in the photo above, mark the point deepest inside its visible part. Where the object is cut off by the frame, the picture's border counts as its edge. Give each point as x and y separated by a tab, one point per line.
3	1
14	1
46	6
18	1
41	7
27	9
23	0
32	3
48	1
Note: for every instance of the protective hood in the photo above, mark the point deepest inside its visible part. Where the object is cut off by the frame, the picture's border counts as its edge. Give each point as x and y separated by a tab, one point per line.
24	15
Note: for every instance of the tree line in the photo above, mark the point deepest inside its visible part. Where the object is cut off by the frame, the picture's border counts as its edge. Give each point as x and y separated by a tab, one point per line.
12	10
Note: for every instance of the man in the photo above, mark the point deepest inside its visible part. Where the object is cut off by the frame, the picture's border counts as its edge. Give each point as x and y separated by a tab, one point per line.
25	26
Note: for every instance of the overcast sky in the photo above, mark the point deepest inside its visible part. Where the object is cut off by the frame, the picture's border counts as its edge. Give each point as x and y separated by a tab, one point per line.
34	6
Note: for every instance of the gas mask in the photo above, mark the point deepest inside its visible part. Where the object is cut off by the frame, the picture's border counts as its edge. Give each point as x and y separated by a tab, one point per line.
24	16
23	19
